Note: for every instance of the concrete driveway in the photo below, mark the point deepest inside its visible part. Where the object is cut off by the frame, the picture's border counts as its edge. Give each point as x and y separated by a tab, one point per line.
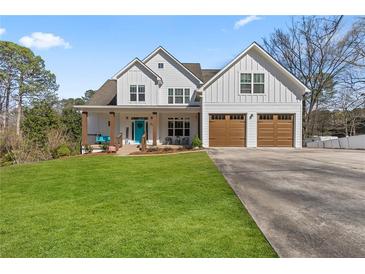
307	202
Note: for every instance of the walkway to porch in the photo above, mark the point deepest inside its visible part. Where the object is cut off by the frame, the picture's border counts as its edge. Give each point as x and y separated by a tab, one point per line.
128	149
125	150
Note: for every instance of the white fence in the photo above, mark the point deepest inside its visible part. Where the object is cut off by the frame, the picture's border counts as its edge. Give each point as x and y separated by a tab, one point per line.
352	142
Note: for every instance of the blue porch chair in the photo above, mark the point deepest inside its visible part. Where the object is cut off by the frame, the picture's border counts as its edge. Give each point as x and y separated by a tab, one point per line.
102	139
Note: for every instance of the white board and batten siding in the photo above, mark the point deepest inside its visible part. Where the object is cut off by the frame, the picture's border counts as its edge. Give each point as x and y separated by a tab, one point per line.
281	95
173	76
137	76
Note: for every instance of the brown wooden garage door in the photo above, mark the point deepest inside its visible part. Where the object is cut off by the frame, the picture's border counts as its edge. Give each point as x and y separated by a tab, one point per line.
275	130
227	130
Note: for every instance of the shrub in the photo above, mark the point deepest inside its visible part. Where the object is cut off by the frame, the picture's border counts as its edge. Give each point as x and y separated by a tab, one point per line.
76	149
56	138
7	159
88	149
16	150
62	151
105	146
38	121
196	142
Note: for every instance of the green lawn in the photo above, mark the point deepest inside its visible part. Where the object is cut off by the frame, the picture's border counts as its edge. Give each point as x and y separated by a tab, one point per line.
107	206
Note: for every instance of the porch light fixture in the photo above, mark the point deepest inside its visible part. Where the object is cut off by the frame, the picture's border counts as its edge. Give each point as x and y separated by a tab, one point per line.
251	115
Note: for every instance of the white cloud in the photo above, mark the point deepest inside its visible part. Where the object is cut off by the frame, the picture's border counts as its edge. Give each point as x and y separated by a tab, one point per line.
42	40
2	31
244	21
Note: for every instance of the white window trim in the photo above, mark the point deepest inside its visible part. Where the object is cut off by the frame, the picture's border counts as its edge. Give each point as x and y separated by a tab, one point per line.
180	119
137	95
252	83
173	96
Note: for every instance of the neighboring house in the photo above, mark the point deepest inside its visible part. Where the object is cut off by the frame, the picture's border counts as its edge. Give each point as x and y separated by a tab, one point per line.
253	101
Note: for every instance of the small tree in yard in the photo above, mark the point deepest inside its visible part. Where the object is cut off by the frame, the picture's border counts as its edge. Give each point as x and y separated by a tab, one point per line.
38	121
71	122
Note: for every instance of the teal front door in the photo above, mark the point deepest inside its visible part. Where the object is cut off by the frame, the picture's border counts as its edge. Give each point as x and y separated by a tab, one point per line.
139	131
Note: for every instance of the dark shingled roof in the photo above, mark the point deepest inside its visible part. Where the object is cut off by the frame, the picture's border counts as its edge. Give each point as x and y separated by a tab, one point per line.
208	74
203	74
105	95
194	69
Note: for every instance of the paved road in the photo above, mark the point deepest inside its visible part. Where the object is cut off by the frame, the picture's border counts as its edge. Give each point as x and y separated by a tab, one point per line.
307	202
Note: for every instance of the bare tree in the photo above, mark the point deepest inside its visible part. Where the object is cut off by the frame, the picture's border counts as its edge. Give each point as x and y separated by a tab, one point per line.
350	105
315	50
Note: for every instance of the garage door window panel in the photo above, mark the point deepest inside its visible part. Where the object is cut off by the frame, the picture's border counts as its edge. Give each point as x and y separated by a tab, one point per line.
217	117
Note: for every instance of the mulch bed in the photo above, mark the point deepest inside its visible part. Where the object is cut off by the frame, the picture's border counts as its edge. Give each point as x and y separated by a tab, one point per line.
166	150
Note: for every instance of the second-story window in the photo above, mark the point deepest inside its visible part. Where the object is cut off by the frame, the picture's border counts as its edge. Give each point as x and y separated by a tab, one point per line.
252	83
171	96
137	93
141	94
258	83
245	86
187	95
160	65
178	96
133	93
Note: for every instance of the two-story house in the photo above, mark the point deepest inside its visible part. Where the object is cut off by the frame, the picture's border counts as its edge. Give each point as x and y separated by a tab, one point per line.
253	101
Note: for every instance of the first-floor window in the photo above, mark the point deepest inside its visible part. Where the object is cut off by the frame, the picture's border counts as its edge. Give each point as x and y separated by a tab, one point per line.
178	127
133	93
178	95
170	127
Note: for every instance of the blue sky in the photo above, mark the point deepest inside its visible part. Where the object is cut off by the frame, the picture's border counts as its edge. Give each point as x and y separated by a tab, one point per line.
84	51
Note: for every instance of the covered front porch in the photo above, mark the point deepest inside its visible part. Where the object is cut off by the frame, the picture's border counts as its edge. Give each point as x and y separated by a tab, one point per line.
123	125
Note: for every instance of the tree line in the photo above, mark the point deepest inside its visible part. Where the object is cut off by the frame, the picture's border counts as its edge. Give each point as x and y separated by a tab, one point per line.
34	123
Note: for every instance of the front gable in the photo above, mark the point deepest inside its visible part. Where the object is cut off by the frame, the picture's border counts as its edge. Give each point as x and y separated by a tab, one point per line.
173	70
137	73
173	74
279	85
